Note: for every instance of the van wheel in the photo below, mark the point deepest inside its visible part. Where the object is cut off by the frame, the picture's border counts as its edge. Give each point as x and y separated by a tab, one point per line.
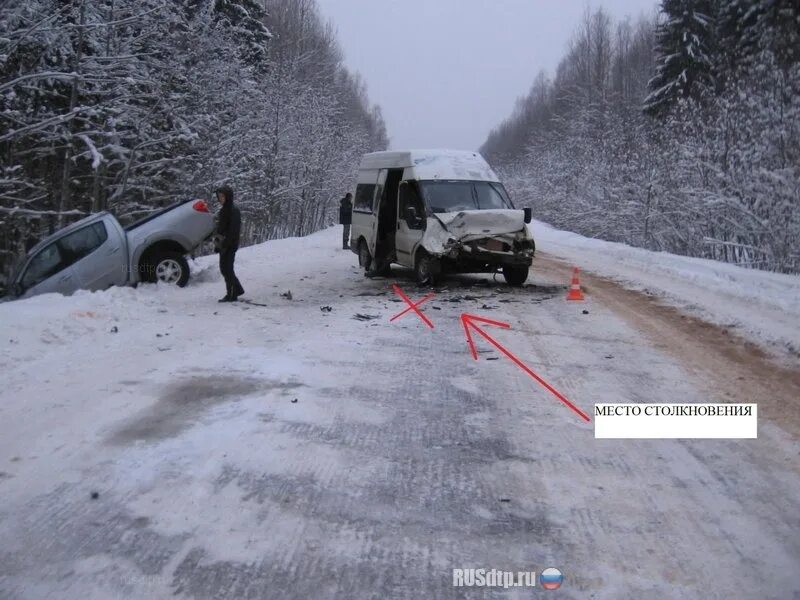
172	268
515	275
426	269
364	258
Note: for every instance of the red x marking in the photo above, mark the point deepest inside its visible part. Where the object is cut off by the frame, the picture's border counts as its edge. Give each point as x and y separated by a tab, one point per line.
412	306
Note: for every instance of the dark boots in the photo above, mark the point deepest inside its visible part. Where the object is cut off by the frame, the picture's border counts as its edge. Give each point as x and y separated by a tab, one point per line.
233	295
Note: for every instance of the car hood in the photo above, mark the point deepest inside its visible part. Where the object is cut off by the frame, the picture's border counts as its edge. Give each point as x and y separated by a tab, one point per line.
482	222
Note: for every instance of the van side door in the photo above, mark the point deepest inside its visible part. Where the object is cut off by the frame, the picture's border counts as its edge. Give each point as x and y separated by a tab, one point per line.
410	222
101	252
372	241
364	219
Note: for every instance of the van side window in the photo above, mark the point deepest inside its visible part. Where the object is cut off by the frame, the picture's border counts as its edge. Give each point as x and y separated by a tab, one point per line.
365	192
83	242
409	197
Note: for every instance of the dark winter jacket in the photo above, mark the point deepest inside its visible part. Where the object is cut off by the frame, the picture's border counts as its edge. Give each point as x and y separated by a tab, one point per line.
345	212
230	222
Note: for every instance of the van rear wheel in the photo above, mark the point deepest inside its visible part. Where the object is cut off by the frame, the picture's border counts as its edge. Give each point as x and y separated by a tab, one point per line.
364	257
515	274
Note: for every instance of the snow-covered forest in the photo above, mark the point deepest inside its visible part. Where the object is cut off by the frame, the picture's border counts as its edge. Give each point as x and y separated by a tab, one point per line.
680	133
128	105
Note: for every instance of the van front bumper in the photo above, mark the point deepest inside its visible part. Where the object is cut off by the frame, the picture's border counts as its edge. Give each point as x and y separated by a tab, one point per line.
490	252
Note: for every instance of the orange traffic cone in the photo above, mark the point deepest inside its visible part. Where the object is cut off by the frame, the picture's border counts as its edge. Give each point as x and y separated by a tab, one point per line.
575	292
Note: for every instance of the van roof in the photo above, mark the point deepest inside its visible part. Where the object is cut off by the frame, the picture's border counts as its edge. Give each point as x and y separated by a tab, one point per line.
433	164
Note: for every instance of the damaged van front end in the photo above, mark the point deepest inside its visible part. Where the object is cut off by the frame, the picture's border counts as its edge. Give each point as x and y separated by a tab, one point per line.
481	241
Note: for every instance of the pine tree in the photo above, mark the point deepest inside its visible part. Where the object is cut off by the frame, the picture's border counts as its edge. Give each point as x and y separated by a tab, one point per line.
685	54
778	24
737	30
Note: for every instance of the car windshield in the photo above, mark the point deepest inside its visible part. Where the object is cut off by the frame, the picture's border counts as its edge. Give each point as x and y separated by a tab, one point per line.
16	269
454	196
19	260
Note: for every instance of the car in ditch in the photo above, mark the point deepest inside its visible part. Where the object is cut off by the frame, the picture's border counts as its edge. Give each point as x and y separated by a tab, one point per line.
98	252
438	212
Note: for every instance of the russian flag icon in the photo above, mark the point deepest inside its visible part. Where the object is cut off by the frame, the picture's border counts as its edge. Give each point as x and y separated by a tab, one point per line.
551	578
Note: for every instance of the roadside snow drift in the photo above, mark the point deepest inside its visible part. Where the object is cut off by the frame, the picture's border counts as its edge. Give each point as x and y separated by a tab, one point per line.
764	306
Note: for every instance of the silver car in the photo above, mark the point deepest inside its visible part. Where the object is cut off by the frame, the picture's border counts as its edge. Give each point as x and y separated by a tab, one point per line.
97	252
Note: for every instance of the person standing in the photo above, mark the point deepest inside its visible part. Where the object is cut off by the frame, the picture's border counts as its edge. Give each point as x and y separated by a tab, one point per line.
346	218
228	229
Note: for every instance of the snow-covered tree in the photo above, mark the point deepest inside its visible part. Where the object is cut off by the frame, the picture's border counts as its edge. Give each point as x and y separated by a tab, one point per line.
685	53
127	105
713	174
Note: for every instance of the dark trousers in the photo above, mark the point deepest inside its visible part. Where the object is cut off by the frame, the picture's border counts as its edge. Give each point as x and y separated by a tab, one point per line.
345	235
232	285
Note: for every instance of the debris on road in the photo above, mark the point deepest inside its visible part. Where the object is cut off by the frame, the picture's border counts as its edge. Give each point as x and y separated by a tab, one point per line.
363	317
251	302
287	295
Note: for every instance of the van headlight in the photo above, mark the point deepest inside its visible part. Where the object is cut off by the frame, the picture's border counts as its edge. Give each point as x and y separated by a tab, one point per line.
452	247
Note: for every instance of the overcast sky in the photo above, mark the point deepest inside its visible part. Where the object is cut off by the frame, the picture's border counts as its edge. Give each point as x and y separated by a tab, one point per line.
445	72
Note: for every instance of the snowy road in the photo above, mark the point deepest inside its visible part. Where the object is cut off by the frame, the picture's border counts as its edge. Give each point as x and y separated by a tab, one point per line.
400	459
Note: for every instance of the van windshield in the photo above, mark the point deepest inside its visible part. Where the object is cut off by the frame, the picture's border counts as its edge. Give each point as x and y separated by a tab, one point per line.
454	196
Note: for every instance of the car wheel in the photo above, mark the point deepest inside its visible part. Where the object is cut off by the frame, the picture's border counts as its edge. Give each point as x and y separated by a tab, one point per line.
515	275
171	268
425	269
364	257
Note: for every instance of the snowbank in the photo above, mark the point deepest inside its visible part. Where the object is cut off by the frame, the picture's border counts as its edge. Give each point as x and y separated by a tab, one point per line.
763	306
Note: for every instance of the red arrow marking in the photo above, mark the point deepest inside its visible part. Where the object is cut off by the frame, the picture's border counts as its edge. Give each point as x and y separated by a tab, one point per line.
466	321
425	299
469	321
411	305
